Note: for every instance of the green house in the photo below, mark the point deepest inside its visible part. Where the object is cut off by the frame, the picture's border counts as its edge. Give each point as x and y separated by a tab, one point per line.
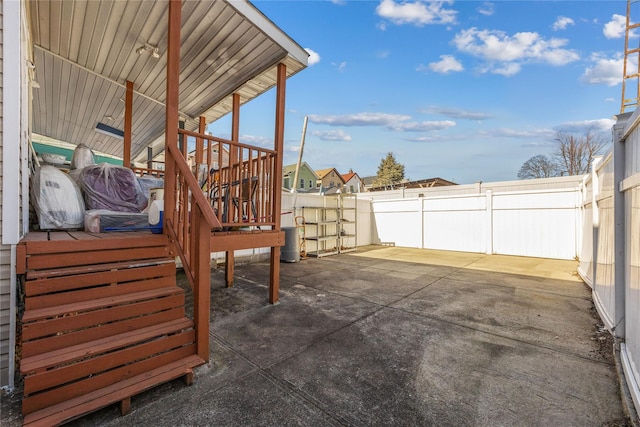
306	177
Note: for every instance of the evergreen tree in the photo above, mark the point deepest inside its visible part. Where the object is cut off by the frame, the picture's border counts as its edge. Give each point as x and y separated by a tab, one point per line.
390	172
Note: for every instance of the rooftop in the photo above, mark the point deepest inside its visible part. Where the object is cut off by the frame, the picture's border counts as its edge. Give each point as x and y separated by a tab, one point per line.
394	336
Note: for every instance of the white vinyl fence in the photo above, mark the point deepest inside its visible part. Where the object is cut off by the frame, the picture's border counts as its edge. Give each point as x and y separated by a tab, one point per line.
610	255
539	223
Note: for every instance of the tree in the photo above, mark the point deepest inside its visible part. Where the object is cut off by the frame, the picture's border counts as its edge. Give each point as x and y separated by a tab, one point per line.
574	154
390	172
539	166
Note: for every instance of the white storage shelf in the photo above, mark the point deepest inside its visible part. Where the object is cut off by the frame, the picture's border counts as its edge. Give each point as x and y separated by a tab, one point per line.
330	230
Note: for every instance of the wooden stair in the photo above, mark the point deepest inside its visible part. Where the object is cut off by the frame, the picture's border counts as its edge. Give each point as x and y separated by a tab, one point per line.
103	321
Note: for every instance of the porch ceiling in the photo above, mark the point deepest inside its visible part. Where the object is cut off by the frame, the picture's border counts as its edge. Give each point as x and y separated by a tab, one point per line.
85	51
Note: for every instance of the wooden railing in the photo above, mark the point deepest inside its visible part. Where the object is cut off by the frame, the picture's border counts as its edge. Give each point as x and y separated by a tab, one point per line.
157	173
236	179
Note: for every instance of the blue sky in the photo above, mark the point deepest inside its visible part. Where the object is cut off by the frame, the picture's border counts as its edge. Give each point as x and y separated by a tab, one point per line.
464	90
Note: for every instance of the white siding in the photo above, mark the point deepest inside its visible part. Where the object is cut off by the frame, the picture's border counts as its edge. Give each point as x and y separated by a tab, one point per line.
5	261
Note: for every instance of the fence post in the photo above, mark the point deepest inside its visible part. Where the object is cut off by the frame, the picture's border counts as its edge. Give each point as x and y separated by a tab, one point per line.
619	223
422	221
489	196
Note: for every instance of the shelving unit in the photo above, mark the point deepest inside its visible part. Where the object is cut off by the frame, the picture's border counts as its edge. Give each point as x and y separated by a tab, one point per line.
330	229
348	223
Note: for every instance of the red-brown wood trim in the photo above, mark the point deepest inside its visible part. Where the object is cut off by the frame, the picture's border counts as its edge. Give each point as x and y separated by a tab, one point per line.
279	144
80	351
71	409
222	242
42	313
274	275
94	257
229	268
113	241
99	324
106	382
21	259
102	277
81	295
171	112
128	113
274	271
202	291
103	361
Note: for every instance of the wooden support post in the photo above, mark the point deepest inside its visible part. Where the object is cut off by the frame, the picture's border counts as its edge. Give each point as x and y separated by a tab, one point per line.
274	275
171	115
229	268
202	288
188	377
125	406
128	113
229	262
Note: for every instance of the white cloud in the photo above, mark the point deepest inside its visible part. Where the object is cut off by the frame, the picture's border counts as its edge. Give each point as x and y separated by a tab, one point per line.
426	126
505	54
447	64
339	2
332	135
342	66
519	133
607	71
507	70
314	58
562	22
614	29
486	8
256	140
359	119
598	125
417	12
457	114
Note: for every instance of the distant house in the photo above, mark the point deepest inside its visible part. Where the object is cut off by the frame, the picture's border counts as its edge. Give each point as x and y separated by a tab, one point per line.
199	168
352	182
368	182
307	178
422	183
329	178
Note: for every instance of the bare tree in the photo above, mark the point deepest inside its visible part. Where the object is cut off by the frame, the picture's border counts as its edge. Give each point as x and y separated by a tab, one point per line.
539	166
574	154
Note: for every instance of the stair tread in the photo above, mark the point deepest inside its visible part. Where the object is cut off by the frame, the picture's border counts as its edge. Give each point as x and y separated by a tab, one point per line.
59	310
76	407
91	348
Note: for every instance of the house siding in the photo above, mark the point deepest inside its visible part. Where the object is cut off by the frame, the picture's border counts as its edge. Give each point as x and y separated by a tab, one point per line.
5	250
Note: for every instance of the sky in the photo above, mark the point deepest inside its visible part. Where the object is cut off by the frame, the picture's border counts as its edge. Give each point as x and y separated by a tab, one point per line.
462	90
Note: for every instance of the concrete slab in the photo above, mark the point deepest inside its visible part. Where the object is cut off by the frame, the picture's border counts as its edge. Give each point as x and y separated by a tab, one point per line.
394	336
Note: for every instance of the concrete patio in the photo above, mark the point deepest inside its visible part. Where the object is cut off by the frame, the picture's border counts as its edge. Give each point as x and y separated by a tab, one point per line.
394	336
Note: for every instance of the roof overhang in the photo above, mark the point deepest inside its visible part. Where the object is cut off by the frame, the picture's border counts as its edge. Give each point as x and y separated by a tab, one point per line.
85	52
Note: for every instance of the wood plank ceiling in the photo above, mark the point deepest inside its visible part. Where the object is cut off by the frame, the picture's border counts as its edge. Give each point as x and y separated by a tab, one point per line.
84	52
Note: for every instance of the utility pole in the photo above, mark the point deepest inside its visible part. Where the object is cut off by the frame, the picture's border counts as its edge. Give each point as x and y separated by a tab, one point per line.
295	178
